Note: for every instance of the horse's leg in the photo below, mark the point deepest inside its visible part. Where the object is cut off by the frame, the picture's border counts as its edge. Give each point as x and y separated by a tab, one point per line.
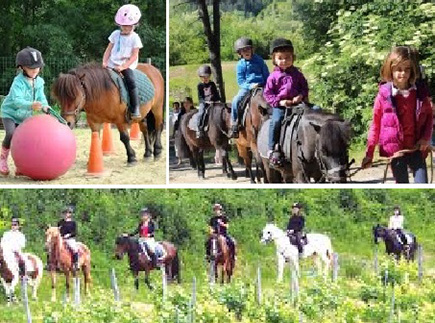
201	164
147	138
231	173
125	138
147	279
87	278
158	140
136	280
53	285
67	285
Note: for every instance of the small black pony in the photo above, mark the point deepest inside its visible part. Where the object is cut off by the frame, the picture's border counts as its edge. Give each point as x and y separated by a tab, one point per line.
392	244
139	262
216	137
317	148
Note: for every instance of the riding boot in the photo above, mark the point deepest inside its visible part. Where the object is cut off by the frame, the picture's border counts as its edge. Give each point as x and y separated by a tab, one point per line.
4	169
235	131
22	268
154	260
207	251
134	104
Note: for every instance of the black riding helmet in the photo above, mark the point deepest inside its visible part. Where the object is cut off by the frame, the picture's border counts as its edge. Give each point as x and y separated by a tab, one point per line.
280	43
29	57
297	205
145	210
241	43
67	209
204	70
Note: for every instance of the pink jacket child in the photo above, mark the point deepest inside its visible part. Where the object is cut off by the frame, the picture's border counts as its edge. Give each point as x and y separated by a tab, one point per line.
402	116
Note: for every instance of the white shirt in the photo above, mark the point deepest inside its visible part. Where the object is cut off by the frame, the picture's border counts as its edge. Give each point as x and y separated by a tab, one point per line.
13	241
123	46
396	222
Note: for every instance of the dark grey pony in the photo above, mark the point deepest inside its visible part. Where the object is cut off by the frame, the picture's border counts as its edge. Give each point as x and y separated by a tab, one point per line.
316	148
217	137
392	244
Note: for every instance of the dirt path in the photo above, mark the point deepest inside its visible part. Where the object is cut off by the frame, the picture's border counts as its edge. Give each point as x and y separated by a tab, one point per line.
213	174
145	172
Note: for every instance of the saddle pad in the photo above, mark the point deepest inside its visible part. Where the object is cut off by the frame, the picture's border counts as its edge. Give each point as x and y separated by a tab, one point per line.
143	84
193	122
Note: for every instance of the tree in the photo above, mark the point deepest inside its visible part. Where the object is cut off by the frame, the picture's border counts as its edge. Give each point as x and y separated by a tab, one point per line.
213	36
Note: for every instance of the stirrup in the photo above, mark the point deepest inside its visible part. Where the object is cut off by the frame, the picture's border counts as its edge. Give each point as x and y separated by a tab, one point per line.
276	159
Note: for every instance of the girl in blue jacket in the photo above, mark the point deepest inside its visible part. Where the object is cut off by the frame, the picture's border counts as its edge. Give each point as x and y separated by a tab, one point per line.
25	95
252	71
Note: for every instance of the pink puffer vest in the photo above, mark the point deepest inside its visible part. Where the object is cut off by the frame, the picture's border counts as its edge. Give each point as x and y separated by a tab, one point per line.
391	134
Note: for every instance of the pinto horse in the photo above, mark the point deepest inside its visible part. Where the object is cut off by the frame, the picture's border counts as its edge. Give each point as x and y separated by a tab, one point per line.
315	148
221	254
60	257
9	273
139	261
247	141
217	137
392	244
90	88
319	246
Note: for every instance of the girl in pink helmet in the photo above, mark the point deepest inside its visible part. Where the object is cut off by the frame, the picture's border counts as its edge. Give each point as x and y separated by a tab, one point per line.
122	52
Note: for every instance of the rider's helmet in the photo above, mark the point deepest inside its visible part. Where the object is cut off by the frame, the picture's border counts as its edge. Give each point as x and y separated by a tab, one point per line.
280	43
241	43
297	205
217	206
145	210
29	57
204	71
67	209
128	15
15	221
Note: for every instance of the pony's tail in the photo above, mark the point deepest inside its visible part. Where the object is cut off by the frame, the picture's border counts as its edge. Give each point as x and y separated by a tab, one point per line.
181	143
175	268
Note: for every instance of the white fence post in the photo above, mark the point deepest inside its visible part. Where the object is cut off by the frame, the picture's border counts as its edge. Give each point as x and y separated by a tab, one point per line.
212	277
26	299
259	285
420	262
114	283
294	286
164	283
376	265
77	291
334	267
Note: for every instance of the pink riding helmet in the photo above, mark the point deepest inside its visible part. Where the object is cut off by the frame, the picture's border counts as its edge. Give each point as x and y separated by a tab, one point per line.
128	15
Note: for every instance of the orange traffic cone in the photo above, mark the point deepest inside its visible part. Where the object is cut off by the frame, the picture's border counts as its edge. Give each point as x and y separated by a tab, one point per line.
134	131
107	142
95	162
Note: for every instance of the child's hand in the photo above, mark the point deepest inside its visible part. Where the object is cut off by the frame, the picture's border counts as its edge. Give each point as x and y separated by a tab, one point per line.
297	99
104	64
36	105
283	103
119	68
45	109
253	86
423	145
366	162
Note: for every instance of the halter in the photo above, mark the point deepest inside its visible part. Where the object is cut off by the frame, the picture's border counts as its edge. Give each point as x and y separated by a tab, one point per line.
81	104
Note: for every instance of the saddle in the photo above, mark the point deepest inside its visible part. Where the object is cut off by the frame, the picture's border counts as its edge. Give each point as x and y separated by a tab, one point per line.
143	83
293	239
193	122
242	107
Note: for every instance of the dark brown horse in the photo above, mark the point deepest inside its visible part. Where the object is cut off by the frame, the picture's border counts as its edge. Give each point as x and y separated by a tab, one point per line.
221	254
60	257
139	261
247	141
316	148
216	137
90	88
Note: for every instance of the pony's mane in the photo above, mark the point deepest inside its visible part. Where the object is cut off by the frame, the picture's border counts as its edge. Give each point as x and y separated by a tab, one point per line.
335	136
94	78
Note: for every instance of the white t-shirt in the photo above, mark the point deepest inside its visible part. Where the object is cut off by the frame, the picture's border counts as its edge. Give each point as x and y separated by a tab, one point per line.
13	241
396	222
123	46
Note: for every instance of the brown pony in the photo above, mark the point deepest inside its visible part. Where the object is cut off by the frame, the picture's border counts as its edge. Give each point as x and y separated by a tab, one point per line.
247	141
217	137
90	88
139	262
221	254
60	257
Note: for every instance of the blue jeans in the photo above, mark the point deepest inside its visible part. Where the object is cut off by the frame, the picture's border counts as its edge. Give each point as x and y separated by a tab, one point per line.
201	109
275	126
235	103
415	161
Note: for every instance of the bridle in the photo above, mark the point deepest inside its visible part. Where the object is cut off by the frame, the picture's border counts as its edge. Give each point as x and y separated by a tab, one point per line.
328	174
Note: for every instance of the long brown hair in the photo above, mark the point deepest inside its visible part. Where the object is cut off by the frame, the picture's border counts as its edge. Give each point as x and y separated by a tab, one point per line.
398	55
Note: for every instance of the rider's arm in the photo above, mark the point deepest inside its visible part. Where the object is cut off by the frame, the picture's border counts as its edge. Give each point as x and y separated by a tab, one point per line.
151	229
216	96
241	75
390	223
106	55
135	231
73	232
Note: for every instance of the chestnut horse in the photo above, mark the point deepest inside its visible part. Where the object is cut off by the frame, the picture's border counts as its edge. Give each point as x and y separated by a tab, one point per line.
221	254
247	141
59	256
90	88
139	261
9	273
216	137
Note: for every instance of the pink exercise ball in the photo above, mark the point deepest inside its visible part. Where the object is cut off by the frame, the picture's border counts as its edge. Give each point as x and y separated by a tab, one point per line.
43	148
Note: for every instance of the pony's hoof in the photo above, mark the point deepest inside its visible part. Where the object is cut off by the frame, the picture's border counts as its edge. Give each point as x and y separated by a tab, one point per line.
132	163
234	177
148	154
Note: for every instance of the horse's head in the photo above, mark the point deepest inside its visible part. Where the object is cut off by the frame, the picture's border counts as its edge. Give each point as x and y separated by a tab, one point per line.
269	233
332	144
121	246
69	91
52	236
378	232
